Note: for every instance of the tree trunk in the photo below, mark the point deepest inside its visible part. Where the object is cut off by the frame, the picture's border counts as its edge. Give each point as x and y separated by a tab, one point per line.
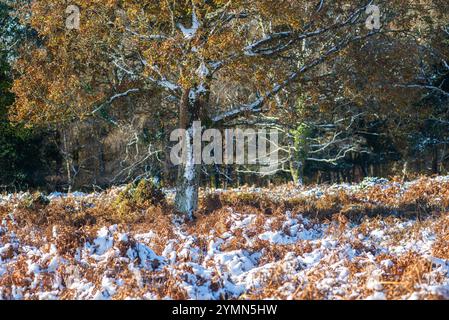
435	159
187	186
405	171
186	200
67	161
297	172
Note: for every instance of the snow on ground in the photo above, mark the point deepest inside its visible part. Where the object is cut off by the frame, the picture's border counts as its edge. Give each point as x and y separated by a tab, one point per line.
240	255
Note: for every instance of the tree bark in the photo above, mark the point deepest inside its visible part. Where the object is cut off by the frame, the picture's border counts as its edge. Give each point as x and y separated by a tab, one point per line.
405	171
67	161
187	186
297	172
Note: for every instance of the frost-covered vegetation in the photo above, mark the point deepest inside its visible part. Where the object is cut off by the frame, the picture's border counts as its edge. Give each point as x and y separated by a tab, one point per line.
377	240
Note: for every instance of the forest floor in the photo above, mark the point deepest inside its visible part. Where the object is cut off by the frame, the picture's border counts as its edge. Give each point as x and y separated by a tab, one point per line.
375	240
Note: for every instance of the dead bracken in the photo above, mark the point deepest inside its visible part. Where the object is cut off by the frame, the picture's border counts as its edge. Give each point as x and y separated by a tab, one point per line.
385	240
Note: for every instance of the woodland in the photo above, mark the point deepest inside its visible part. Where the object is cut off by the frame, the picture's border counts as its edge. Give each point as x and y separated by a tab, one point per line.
91	107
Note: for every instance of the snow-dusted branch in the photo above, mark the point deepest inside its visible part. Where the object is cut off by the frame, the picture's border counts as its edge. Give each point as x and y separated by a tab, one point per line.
113	98
256	106
423	86
258	47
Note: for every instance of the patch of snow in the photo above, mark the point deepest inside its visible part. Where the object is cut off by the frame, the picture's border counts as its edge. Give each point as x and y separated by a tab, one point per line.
189	33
